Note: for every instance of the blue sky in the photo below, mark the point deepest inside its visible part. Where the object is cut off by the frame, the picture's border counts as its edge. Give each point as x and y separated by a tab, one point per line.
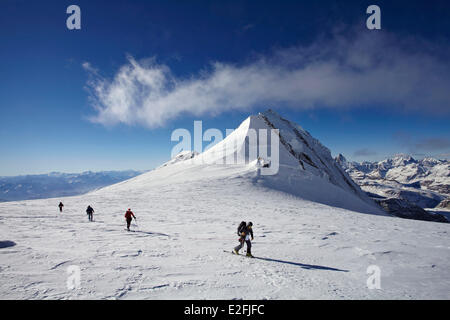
372	94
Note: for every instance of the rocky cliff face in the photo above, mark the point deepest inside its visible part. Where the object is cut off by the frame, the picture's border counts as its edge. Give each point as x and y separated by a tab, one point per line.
444	204
404	209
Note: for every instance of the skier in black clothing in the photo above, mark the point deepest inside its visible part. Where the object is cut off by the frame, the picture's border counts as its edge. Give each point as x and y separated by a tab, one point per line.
90	212
245	232
60	205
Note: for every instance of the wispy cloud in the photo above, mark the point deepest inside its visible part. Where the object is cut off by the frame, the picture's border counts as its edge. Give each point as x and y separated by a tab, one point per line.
420	147
443	156
433	144
364	153
348	71
87	66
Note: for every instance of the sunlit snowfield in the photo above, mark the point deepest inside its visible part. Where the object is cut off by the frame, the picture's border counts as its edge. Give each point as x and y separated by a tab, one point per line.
307	250
315	239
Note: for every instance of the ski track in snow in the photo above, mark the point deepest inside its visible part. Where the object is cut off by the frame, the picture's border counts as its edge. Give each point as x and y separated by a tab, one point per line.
311	251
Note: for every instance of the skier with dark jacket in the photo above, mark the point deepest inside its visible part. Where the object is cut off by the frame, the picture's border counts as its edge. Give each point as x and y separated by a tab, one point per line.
129	215
90	213
60	205
245	232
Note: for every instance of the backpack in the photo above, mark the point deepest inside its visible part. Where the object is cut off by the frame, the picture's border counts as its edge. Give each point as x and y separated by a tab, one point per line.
241	227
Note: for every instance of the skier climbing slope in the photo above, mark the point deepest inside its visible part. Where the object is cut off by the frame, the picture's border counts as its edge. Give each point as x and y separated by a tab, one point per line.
129	215
245	232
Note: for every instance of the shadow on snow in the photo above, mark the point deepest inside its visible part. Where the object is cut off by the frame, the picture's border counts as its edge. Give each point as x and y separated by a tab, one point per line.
151	233
7	244
304	266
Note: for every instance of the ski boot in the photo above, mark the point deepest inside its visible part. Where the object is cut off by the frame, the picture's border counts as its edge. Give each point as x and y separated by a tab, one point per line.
249	255
235	251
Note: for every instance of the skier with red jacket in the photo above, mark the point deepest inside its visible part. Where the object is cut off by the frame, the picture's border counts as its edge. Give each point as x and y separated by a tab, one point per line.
129	215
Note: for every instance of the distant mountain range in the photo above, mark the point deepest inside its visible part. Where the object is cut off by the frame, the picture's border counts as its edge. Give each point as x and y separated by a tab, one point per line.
424	183
56	184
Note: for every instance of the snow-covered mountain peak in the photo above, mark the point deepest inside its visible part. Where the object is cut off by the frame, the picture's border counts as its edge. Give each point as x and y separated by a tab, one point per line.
342	161
397	160
274	116
430	162
299	165
293	132
311	156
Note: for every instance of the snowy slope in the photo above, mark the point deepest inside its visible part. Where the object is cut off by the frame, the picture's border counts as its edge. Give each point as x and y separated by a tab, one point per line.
188	212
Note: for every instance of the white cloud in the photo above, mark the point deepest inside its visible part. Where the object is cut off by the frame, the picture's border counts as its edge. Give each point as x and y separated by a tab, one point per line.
87	66
344	72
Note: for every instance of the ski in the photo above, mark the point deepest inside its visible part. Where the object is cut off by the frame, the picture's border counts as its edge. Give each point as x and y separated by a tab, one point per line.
242	255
